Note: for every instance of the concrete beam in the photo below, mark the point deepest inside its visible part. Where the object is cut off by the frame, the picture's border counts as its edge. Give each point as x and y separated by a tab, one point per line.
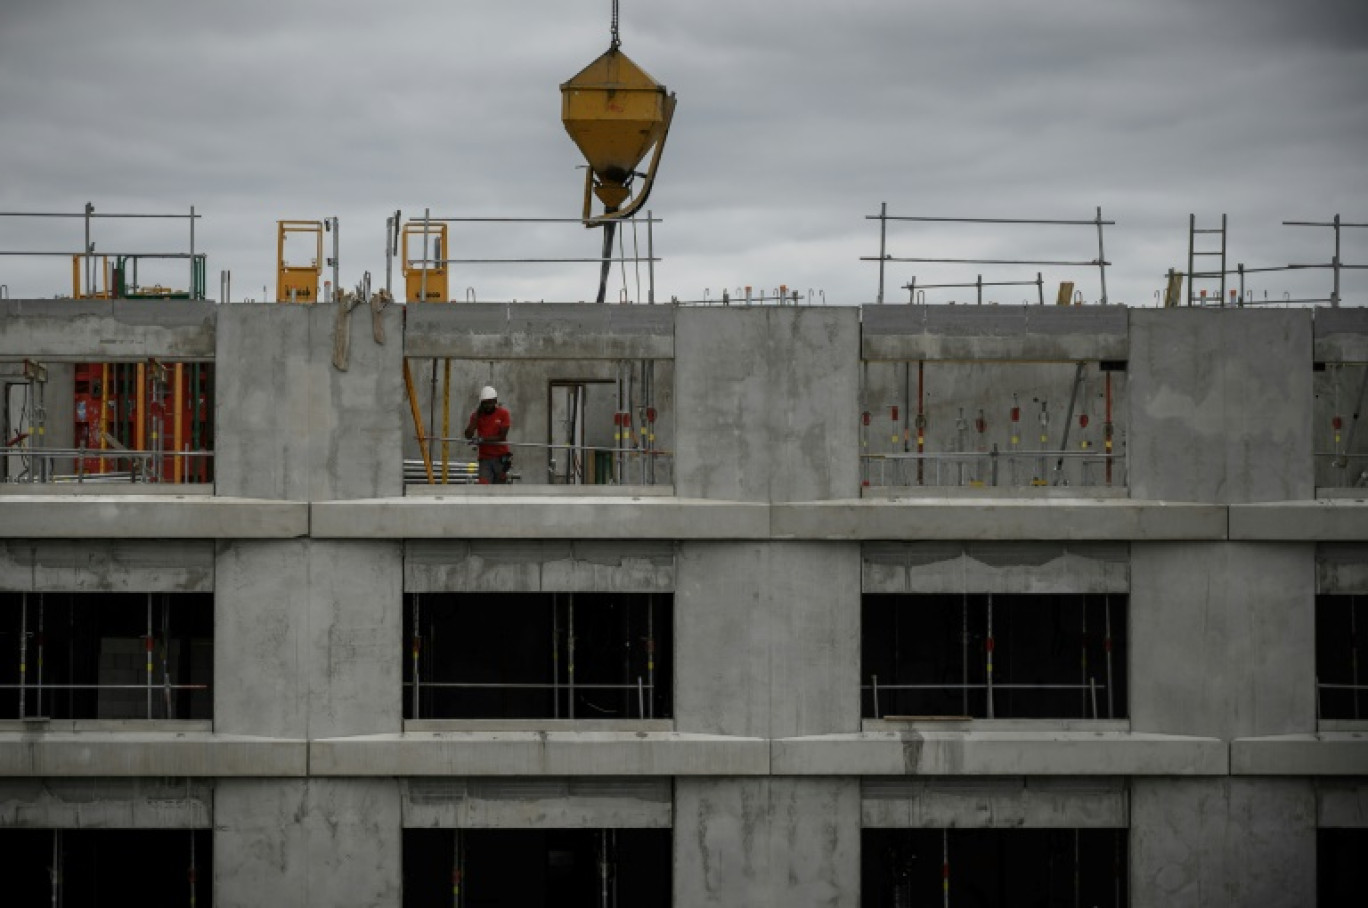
1325	520
1323	754
1041	753
1049	333
916	519
107	565
1341	335
538	517
116	754
539	754
106	803
505	331
523	803
1038	801
107	330
150	517
539	565
983	567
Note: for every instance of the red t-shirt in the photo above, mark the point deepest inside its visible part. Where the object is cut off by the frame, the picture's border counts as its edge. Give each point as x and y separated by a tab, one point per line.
488	425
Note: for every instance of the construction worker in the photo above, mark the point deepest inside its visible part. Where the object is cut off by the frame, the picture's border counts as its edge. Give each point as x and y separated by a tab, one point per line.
488	428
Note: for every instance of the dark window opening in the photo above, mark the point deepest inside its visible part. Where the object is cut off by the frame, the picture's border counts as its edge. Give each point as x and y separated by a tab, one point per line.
1019	656
902	868
1341	873
74	867
106	655
527	868
1340	672
538	655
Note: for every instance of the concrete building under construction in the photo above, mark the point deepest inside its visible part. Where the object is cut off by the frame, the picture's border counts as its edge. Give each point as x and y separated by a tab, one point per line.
872	606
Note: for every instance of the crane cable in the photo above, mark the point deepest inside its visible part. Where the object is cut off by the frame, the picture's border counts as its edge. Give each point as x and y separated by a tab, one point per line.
617	42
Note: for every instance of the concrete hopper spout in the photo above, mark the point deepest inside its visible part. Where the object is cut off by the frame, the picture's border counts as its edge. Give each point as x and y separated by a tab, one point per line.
615	112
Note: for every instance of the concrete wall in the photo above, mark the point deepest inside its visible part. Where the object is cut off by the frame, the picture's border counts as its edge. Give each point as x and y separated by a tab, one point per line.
307	842
768	404
1220	405
766	776
1198	842
773	841
289	424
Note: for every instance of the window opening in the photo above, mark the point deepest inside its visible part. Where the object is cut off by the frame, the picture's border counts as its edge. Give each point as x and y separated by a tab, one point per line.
1340	622
526	868
902	868
84	866
106	655
1341	873
538	655
987	656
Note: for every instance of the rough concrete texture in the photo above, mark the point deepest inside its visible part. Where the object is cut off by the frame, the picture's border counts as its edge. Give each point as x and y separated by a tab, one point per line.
106	803
987	567
306	637
105	516
1334	520
1041	333
1223	639
1058	803
1341	803
504	331
107	565
1327	753
1342	568
534	516
1237	842
293	426
997	519
768	404
792	842
535	566
1219	405
35	753
311	843
1039	753
562	803
1341	335
766	656
107	330
538	753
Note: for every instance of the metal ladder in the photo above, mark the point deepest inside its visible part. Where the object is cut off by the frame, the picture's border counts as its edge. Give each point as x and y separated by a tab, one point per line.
1202	282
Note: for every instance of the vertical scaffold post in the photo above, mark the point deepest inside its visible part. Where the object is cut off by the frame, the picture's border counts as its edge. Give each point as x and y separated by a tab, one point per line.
988	652
883	245
1101	256
416	646
23	651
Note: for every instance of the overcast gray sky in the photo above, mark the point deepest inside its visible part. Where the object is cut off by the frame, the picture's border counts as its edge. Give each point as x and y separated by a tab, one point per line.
796	120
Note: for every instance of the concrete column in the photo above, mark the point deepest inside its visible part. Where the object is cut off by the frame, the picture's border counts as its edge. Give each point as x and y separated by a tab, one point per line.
1223	639
311	843
307	638
768	404
774	841
767	639
1220	405
289	423
1235	842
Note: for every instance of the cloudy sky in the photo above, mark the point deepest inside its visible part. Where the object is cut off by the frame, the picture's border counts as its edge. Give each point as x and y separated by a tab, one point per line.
796	121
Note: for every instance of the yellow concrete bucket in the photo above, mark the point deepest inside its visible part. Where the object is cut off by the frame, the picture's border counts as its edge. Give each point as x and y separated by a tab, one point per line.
615	112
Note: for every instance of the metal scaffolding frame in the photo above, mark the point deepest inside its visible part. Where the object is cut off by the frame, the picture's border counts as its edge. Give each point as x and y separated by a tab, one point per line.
883	258
84	284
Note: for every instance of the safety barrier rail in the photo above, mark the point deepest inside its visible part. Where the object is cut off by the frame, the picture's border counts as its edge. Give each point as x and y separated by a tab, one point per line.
993	469
38	465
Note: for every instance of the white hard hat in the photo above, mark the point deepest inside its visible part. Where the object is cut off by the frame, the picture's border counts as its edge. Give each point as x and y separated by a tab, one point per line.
488	393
